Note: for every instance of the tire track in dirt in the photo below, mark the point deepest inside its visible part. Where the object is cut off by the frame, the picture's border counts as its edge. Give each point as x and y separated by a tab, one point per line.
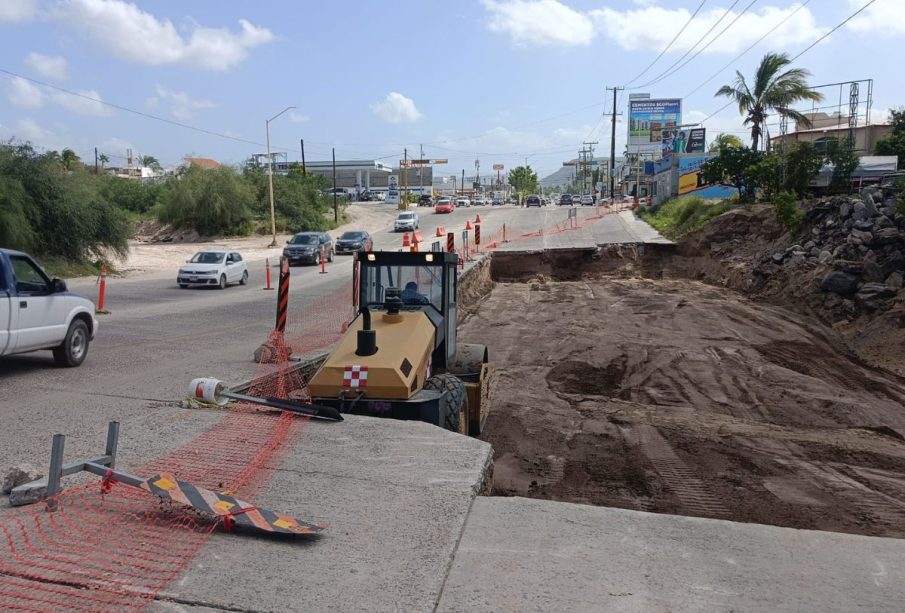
676	475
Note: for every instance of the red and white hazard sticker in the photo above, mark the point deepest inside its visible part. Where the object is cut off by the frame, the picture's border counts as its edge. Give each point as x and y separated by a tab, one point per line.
355	376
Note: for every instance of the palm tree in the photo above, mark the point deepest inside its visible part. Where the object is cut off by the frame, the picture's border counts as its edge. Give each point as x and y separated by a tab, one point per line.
149	161
103	159
774	90
725	140
69	158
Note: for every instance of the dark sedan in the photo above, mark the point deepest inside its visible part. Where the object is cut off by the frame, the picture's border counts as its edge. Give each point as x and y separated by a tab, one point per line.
353	241
306	248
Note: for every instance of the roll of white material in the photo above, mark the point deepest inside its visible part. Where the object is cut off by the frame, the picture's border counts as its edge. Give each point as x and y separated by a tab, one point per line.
207	389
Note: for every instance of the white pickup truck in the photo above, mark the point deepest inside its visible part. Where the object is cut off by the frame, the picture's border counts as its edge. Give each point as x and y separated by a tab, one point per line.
37	312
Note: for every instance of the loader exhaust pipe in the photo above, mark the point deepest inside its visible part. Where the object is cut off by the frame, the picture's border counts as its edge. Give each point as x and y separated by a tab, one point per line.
367	338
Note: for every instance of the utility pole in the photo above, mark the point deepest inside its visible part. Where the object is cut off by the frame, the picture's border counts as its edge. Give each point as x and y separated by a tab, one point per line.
95	161
590	162
420	170
463	181
273	222
612	164
304	172
405	180
335	207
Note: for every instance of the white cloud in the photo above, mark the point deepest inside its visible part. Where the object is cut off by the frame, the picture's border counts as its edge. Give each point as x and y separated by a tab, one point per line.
115	146
297	117
17	10
396	108
24	94
539	22
884	17
653	27
133	34
182	105
28	130
83	106
50	66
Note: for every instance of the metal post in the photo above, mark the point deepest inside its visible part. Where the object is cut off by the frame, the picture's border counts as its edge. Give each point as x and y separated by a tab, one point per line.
273	219
335	207
613	147
55	473
304	171
112	442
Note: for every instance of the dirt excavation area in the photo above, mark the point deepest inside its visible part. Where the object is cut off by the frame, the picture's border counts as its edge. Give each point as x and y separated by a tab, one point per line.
679	397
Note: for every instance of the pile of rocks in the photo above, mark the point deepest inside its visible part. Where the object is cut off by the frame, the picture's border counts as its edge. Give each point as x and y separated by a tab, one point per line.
857	244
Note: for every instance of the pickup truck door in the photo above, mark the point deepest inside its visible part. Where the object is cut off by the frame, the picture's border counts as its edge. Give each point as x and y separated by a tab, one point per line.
7	336
42	314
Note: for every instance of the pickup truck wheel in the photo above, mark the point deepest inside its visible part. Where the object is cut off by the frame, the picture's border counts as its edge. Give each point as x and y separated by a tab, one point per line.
222	282
244	278
74	348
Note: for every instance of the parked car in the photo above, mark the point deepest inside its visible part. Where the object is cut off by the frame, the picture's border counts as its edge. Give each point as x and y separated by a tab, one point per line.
587	200
497	202
305	248
425	200
352	241
341	193
214	268
407	221
565	200
444	205
37	312
480	201
463	201
533	200
366	196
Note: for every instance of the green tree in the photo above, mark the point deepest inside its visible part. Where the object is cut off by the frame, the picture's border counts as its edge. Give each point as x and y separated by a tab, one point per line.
69	159
211	202
15	228
841	154
734	167
149	161
523	180
130	195
725	140
774	89
894	144
103	159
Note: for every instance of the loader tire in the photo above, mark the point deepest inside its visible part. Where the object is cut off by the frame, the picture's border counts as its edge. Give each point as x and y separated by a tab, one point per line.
453	402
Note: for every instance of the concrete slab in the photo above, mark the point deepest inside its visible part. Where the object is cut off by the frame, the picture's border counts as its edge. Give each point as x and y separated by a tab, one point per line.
396	496
611	229
519	554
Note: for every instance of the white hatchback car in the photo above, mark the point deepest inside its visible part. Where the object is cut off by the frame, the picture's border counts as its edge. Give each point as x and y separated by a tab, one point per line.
214	268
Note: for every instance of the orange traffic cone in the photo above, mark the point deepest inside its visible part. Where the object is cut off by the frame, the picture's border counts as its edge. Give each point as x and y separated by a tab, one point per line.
440	231
477	218
406	241
468	225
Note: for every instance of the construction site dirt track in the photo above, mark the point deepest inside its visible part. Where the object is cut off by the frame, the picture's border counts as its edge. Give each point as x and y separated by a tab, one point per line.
678	397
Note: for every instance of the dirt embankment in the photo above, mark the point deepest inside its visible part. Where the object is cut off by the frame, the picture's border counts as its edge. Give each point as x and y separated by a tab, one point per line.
679	397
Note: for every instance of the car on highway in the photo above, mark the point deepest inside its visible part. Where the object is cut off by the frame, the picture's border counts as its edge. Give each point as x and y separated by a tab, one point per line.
407	221
352	241
213	268
425	200
306	248
587	200
444	205
533	200
37	312
565	200
463	201
480	201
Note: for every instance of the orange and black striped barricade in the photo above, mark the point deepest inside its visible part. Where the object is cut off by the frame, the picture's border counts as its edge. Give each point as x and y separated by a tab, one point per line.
283	295
477	236
451	242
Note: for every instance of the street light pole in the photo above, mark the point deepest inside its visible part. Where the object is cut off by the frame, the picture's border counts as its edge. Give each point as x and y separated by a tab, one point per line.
273	219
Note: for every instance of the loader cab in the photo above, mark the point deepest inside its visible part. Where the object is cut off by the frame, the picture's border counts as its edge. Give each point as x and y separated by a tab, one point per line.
426	281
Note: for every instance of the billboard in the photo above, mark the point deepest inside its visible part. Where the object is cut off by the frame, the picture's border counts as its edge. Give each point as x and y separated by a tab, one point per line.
692	184
648	119
680	140
498	167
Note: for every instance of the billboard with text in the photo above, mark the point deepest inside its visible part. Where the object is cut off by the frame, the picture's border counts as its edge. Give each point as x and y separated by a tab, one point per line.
691	182
648	119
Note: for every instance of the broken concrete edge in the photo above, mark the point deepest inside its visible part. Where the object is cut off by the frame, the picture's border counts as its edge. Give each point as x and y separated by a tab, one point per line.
570	263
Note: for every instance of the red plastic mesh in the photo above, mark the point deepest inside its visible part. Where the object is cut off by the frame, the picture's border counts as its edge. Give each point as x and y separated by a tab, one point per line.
117	551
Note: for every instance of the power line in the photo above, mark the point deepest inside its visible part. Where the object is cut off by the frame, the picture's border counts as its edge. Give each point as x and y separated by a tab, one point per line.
671	71
808	48
667	48
754	44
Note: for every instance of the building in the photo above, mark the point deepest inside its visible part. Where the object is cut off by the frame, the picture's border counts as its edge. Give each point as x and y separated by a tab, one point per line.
363	175
828	126
203	163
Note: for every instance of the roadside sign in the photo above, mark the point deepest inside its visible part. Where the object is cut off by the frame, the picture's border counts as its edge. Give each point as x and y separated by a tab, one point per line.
393	182
498	167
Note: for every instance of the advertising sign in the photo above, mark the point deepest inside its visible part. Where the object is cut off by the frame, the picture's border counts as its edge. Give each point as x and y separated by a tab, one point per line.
393	182
498	167
697	137
682	141
648	119
691	182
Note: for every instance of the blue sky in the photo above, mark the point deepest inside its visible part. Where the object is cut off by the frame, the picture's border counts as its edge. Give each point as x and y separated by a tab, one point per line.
500	80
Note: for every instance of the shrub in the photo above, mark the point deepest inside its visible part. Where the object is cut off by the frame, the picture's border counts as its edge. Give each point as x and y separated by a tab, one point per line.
787	213
209	201
679	216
